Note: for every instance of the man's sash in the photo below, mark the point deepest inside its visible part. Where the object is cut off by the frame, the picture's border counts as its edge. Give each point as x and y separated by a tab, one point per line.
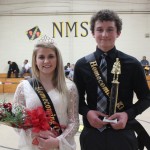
47	104
98	75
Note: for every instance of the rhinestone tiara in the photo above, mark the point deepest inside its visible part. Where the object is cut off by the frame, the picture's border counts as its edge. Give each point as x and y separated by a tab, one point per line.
45	38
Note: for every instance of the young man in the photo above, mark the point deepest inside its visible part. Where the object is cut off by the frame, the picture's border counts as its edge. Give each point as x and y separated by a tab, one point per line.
97	134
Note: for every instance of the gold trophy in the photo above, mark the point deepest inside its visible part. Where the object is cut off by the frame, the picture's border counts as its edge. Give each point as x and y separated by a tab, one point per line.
116	70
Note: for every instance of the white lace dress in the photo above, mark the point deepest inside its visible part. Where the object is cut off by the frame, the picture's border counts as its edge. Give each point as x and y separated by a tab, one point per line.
66	109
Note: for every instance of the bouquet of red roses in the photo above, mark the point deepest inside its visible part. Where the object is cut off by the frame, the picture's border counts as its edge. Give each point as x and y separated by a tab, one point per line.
19	117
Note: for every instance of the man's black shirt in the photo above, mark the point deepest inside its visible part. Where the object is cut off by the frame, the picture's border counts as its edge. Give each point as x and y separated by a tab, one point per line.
132	80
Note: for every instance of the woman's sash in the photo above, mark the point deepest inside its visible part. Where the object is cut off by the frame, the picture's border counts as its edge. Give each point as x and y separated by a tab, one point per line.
47	104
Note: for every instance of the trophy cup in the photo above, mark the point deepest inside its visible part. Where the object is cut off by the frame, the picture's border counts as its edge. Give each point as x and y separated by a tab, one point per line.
116	70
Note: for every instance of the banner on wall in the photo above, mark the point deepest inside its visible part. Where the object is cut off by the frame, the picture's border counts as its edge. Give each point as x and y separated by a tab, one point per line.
33	33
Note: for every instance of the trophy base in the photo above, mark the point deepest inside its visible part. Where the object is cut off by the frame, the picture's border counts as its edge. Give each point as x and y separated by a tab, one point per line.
110	121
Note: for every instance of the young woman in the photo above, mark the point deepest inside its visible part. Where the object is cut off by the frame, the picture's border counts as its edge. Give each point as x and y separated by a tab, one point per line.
48	72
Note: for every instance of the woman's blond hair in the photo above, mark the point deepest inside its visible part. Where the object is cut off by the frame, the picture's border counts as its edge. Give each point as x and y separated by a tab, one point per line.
59	76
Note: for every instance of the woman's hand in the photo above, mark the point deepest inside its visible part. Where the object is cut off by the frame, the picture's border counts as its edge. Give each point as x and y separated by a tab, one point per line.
45	139
47	142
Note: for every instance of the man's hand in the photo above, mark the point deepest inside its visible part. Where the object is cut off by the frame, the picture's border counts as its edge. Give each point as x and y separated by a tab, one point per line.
122	119
94	118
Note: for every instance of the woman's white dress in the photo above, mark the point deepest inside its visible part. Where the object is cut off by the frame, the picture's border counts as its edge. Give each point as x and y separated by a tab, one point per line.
66	109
